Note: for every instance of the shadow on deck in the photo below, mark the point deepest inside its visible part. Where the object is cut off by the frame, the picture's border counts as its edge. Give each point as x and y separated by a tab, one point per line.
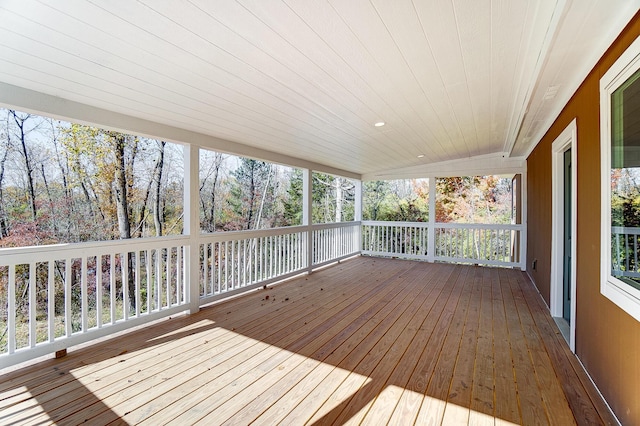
369	341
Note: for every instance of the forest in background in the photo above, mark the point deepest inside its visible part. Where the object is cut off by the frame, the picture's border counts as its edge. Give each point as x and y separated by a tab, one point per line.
63	182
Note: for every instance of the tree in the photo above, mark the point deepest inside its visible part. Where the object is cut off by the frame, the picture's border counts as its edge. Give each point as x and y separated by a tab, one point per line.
118	142
4	225
251	185
21	120
292	205
210	189
374	195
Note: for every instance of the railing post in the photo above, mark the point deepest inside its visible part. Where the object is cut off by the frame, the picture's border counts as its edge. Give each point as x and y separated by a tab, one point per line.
431	231
307	208
192	226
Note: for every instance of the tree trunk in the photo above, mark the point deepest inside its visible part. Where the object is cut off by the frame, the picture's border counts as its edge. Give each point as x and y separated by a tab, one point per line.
212	218
157	179
252	196
264	195
122	205
27	161
4	225
122	208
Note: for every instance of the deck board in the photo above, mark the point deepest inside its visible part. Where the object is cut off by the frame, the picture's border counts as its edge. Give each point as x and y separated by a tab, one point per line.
367	341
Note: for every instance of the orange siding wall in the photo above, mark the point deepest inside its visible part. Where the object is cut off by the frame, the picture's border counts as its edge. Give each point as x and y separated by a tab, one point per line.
607	338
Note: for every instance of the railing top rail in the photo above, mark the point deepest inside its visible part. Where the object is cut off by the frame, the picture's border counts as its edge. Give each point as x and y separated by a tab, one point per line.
335	225
245	234
394	223
516	227
628	230
448	225
79	249
250	233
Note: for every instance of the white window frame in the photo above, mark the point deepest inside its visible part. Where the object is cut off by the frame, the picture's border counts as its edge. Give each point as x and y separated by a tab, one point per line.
620	293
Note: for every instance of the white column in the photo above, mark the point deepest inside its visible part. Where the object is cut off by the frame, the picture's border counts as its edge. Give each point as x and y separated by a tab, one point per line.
357	216
431	232
523	221
192	226
307	206
358	202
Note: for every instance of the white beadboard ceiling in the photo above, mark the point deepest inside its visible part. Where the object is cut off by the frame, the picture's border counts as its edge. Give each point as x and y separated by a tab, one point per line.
462	83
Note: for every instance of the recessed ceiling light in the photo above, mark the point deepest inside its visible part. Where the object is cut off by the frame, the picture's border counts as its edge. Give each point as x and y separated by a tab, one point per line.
379	124
551	92
421	156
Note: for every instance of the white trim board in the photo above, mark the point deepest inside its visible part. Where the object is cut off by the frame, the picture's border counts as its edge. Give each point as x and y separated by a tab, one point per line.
623	295
566	140
597	52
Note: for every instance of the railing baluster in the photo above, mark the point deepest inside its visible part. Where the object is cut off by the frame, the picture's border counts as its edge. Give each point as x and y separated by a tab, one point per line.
221	270
226	265
67	297
159	280
84	304
260	263
206	287
124	262
137	282
241	263
51	301
32	304
112	287
147	265
626	250
635	252
278	254
11	314
178	263
169	277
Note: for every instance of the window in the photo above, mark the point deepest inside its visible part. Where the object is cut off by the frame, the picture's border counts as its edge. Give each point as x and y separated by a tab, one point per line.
620	144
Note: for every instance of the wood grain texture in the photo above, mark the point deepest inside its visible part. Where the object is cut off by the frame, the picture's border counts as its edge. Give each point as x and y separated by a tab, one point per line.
367	341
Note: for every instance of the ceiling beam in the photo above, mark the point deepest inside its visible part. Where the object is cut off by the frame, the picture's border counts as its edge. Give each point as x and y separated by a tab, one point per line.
481	165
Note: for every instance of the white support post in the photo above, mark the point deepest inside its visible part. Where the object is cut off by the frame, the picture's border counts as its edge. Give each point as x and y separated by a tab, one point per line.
523	221
307	208
431	231
192	226
357	216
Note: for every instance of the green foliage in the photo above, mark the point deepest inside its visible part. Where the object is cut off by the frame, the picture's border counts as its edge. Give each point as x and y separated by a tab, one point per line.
292	205
475	199
333	198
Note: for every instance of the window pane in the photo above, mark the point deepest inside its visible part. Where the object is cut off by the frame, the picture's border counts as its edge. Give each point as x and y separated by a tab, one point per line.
625	181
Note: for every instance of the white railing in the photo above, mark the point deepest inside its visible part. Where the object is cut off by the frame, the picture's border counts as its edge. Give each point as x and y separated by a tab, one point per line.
54	297
231	262
57	296
482	244
407	240
625	245
335	241
62	295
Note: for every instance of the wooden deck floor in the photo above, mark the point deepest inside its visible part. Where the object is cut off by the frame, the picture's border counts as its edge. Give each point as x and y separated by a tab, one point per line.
369	341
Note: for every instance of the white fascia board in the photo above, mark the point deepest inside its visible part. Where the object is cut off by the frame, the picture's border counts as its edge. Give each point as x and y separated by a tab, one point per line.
63	109
598	52
481	165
